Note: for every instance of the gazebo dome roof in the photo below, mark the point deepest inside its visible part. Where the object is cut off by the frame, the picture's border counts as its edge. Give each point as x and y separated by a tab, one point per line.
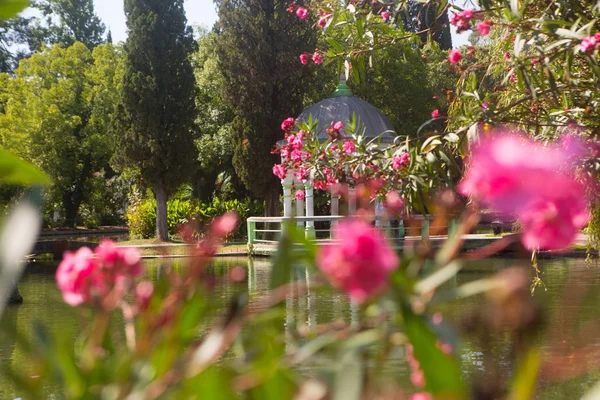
340	107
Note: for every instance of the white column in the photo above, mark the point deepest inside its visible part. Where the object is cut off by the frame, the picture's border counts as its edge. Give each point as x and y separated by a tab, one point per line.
335	204
300	210
287	195
351	201
335	210
310	210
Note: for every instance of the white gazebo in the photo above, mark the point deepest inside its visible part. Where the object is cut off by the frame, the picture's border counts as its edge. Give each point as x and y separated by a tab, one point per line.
341	106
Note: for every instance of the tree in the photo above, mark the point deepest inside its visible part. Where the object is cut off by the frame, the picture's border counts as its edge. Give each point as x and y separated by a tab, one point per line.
430	19
155	124
60	22
55	111
258	45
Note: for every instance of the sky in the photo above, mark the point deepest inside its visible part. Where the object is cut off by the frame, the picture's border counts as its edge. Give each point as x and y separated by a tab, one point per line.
199	12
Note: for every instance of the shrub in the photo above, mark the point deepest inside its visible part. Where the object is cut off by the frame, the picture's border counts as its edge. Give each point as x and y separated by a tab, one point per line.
141	214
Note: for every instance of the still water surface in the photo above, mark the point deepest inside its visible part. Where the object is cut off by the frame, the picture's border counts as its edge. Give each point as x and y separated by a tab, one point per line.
43	303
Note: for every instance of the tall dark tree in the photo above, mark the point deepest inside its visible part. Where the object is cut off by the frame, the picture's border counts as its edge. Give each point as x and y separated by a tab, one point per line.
155	124
258	44
430	19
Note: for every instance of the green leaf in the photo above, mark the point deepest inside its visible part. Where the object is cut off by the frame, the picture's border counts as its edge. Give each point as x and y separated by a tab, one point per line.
19	172
282	264
10	8
442	373
526	376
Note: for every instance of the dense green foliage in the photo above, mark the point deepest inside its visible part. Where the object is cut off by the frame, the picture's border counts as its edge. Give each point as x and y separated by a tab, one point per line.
155	121
55	111
61	22
141	214
258	45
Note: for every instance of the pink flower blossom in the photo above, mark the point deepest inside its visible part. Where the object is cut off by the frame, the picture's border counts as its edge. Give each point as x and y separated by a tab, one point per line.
484	28
360	260
288	124
588	44
421	396
143	293
394	202
302	13
304	58
454	56
338	126
417	378
279	171
296	155
124	261
323	20
399	161
301	174
506	55
485	105
73	276
385	15
290	7
225	224
317	58
299	195
467	14
462	20
435	113
349	147
518	176
320	185
597	36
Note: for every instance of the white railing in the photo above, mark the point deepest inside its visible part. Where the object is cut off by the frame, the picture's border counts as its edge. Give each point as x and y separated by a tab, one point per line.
267	230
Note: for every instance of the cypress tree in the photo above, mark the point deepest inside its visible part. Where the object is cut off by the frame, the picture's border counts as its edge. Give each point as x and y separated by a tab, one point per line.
155	124
258	43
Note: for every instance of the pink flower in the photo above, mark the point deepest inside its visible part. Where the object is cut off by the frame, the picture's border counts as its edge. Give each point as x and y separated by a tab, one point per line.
299	195
421	396
485	105
385	15
467	14
73	276
553	223
360	260
435	113
290	7
124	261
518	176
302	13
320	185
296	155
338	126
323	20
454	56
301	174
349	147
225	224
304	58
288	123
588	44
279	171
399	161
417	378
597	36
143	293
394	202
484	28
506	55
317	58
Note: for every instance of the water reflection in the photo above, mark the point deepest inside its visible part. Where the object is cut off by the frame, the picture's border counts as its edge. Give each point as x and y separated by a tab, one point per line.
313	306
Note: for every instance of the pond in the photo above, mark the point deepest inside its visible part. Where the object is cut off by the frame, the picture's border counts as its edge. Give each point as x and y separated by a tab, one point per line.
43	303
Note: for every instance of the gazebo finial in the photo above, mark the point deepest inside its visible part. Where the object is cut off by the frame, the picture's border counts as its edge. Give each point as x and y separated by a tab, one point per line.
343	89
